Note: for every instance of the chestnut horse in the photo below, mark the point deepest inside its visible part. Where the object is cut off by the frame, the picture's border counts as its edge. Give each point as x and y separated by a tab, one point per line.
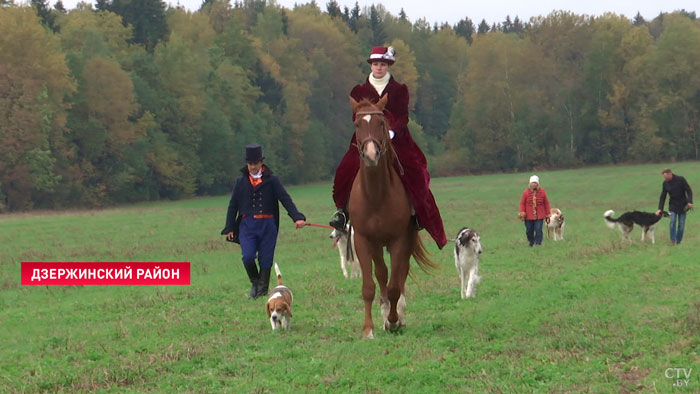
381	216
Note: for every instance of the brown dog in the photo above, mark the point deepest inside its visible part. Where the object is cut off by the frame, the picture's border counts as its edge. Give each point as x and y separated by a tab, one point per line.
279	305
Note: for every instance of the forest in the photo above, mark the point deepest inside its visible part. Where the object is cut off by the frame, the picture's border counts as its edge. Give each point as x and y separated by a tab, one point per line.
123	101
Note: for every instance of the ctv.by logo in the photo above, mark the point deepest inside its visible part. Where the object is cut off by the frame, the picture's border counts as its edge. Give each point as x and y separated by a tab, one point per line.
680	375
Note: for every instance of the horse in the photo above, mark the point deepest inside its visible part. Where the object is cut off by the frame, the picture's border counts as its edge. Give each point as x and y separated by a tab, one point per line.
380	211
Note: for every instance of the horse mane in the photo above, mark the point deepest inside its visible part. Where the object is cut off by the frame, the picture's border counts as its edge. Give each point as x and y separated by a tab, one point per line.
365	102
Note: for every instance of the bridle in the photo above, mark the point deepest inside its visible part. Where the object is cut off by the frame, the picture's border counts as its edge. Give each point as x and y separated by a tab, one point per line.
381	145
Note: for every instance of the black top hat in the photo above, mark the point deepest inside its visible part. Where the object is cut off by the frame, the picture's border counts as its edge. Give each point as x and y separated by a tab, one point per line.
253	153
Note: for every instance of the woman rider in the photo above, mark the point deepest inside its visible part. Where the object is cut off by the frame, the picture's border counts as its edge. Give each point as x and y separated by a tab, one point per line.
411	166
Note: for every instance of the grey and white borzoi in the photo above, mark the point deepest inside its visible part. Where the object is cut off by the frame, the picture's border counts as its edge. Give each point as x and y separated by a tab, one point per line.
467	251
346	248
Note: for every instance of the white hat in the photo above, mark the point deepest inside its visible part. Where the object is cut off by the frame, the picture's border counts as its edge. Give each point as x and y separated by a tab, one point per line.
535	179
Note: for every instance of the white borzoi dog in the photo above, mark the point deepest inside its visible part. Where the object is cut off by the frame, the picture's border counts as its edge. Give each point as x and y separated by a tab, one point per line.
627	220
467	251
556	224
348	257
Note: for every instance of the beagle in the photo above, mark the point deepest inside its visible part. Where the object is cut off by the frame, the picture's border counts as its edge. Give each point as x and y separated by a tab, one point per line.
279	305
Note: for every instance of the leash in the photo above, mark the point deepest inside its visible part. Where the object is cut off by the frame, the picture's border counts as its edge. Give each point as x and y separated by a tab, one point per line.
320	225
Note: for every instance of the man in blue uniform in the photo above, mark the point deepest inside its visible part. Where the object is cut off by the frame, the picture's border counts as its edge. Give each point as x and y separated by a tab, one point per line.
253	217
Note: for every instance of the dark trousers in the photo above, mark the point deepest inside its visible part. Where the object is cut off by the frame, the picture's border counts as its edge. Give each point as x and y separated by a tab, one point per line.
533	230
258	238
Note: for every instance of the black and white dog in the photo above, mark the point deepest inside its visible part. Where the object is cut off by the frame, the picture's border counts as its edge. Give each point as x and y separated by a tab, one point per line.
627	220
467	251
346	248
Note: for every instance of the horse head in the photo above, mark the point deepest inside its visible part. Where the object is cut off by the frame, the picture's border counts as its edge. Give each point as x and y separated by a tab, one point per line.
371	130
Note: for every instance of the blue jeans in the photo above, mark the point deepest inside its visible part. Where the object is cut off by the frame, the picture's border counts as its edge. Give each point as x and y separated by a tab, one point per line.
677	235
258	238
533	230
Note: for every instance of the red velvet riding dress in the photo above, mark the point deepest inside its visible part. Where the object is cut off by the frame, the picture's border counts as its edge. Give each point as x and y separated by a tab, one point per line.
415	176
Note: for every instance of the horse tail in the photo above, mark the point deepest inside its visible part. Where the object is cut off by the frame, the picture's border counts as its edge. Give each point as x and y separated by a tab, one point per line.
420	254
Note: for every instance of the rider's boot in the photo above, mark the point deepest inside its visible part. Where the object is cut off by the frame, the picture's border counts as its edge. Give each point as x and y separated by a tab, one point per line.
339	219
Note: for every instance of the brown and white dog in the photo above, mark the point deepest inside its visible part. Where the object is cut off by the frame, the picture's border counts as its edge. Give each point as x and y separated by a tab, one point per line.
346	247
556	224
279	305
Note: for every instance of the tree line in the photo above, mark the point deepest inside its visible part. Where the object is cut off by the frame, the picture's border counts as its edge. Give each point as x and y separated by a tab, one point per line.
125	101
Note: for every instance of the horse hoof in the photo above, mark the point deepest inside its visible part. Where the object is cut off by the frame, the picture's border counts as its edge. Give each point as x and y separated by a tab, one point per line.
392	327
369	335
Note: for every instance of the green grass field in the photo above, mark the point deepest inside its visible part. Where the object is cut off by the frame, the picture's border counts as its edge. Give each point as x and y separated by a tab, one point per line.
585	315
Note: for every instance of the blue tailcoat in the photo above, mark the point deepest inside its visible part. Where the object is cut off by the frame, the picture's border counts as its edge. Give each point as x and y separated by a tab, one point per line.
261	199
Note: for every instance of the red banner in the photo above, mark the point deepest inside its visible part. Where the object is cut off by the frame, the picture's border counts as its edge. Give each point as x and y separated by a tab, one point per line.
130	273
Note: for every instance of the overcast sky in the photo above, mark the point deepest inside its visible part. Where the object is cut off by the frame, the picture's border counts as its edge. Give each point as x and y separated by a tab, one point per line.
492	10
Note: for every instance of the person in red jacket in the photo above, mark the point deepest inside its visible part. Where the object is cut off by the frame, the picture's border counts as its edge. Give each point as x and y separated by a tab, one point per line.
411	166
534	208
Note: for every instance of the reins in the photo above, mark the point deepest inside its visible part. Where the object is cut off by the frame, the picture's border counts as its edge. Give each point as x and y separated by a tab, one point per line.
383	145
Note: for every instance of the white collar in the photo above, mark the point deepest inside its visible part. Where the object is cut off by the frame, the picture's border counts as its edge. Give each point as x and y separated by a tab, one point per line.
379	83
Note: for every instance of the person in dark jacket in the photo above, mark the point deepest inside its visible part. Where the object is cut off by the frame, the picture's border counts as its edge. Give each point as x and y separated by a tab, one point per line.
534	208
413	167
253	219
680	202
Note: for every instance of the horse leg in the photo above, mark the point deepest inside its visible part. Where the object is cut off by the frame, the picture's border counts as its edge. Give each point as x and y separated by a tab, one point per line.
401	305
400	255
382	274
401	310
368	286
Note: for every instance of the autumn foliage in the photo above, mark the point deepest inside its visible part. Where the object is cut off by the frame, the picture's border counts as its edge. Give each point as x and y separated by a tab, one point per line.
100	106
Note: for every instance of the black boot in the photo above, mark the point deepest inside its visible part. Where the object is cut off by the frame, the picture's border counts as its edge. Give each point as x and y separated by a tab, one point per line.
416	223
339	219
263	282
254	277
